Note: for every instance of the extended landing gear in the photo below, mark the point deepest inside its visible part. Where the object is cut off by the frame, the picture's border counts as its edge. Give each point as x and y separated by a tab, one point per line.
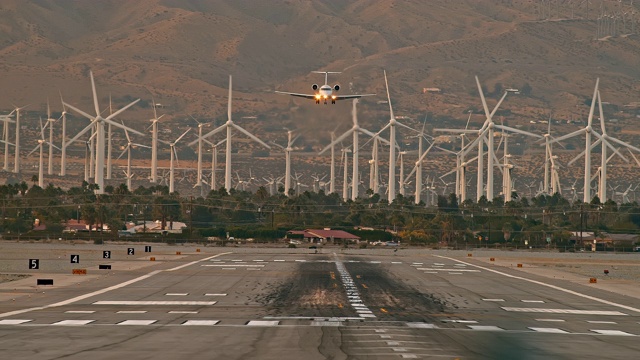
317	101
333	101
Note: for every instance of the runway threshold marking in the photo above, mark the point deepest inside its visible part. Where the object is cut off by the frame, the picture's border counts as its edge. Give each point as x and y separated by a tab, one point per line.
585	296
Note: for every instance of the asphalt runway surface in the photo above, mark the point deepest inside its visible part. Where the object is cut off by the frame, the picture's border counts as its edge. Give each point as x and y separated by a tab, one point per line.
252	303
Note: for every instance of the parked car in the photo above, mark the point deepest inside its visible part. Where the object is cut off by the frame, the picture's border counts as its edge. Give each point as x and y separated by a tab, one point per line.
391	243
295	242
378	243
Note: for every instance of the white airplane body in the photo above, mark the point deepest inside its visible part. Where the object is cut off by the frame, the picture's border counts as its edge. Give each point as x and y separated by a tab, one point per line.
325	92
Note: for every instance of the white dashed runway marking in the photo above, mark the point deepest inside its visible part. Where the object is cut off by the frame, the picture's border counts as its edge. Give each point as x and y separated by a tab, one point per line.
132	312
177	294
208	294
263	323
143	302
73	322
200	322
137	322
79	312
533	301
565	311
183	312
612	332
493	300
550	320
236	265
548	330
485	327
13	321
601	322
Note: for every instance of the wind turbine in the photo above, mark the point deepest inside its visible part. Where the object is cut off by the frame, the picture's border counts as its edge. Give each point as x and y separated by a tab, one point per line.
99	122
50	122
287	156
604	139
6	119
154	143
199	169
63	151
127	149
391	189
174	154
417	169
41	142
229	126
16	162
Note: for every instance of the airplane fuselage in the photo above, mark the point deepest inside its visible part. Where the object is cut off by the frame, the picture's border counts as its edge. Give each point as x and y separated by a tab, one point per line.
325	93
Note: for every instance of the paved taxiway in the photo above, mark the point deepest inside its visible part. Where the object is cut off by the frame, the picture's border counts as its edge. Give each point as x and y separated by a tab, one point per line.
292	304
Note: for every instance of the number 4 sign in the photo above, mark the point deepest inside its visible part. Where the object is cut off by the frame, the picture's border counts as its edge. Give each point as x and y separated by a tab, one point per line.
75	259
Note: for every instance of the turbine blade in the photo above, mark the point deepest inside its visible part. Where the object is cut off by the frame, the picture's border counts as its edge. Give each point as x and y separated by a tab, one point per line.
337	140
121	110
251	136
386	84
95	95
118	125
124	151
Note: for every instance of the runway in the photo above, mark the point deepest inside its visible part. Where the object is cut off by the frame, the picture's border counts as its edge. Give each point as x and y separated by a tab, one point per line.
254	304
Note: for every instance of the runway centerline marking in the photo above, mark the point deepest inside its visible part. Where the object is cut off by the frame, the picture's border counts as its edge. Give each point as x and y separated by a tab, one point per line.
585	296
102	291
13	321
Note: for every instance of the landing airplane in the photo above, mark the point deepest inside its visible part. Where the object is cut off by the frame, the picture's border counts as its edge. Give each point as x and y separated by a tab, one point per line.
325	92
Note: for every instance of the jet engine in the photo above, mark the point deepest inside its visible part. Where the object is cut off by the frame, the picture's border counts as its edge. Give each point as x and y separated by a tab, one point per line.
314	86
336	87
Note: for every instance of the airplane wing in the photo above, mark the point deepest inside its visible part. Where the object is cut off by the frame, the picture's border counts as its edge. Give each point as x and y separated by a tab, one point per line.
306	96
345	97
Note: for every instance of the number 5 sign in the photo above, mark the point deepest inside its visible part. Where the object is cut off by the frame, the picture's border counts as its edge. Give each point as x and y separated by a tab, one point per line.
34	263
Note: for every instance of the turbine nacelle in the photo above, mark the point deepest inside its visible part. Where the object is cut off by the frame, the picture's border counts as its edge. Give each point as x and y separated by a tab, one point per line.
315	87
336	87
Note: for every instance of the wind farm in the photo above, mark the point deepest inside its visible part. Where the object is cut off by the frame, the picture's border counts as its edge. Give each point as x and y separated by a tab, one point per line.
320	179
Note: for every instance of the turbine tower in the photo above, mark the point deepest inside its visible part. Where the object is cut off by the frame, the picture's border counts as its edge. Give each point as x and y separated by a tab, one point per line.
16	163
154	143
229	126
50	122
99	122
63	151
287	156
6	119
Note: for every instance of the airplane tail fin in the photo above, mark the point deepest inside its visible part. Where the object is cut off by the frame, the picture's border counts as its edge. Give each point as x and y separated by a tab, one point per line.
326	75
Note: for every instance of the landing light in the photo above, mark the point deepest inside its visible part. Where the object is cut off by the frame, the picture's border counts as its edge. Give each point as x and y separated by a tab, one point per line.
334	97
317	96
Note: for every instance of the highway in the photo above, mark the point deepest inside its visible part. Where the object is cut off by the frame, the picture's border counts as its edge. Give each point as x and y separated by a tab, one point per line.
254	304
